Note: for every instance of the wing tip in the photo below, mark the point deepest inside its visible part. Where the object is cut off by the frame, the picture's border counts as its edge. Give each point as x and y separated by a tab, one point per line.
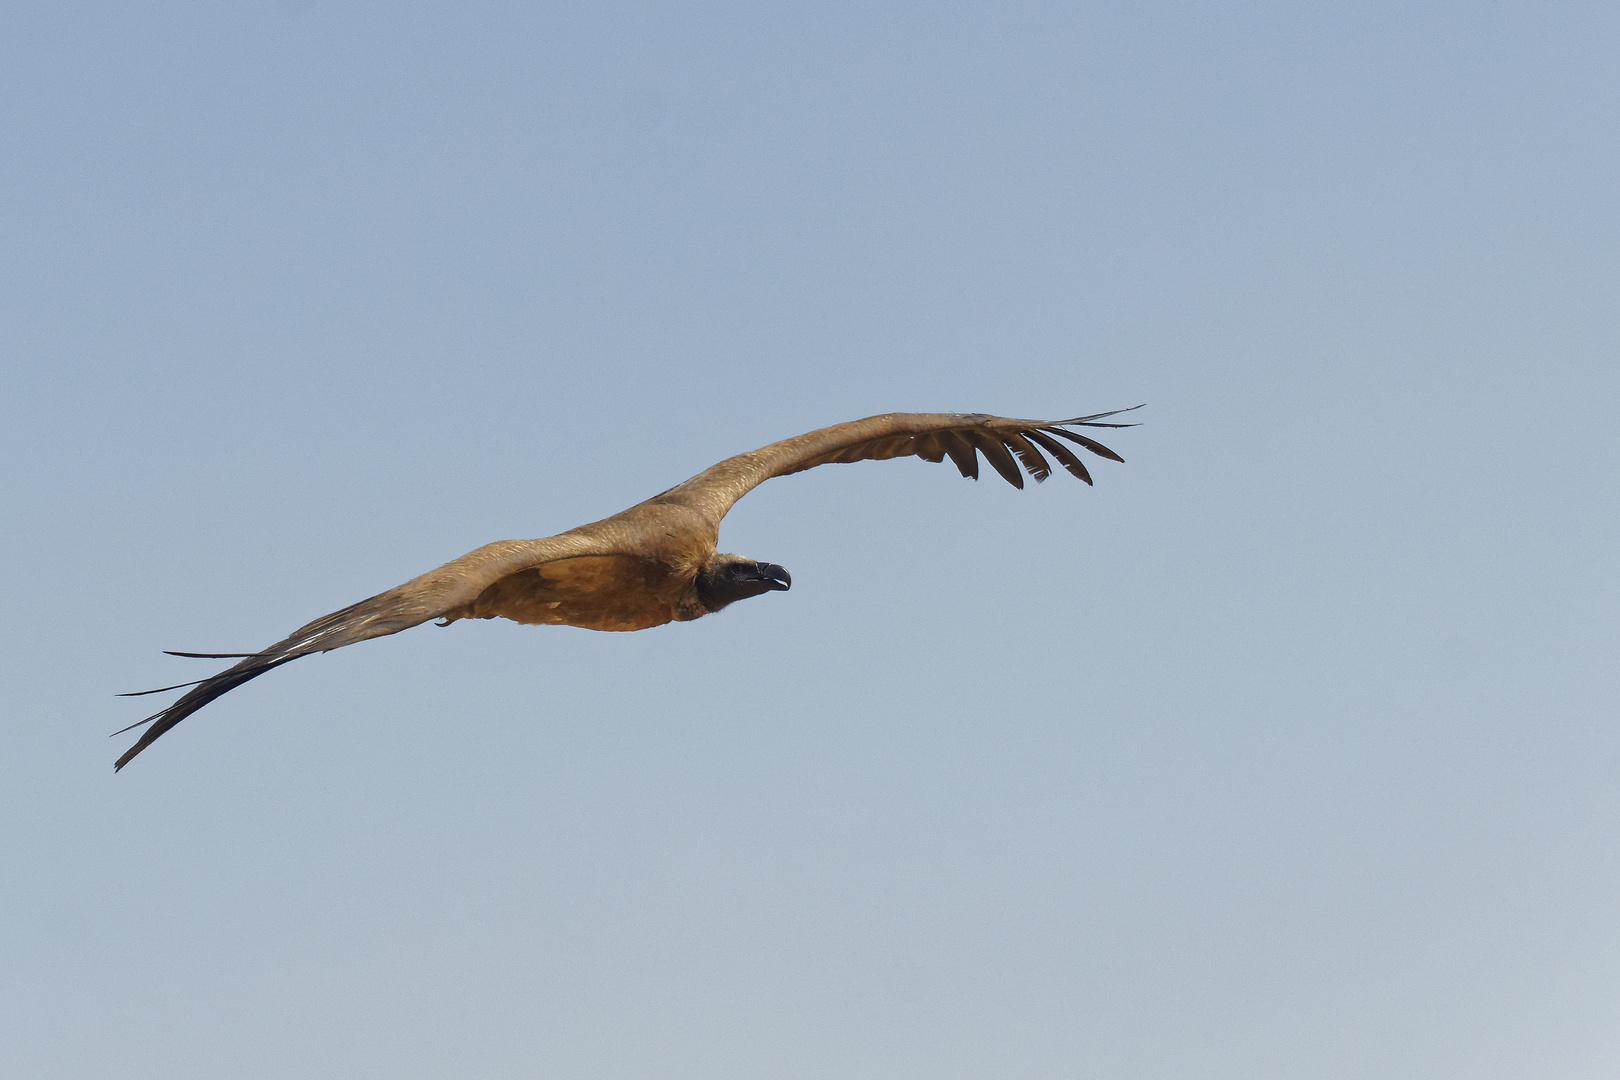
1091	421
215	655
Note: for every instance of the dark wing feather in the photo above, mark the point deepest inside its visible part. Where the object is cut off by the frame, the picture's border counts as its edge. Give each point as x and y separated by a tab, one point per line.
1091	444
1005	443
930	448
1064	455
995	452
1028	456
961	452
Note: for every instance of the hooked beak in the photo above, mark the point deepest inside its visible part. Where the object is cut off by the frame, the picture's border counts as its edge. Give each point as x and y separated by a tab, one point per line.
775	576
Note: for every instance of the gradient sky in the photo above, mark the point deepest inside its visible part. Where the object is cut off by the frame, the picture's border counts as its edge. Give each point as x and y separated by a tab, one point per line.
1290	750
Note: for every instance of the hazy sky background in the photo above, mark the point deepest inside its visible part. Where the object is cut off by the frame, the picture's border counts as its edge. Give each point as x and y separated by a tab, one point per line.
1290	750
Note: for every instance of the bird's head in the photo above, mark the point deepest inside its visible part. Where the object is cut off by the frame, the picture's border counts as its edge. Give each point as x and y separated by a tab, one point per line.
729	578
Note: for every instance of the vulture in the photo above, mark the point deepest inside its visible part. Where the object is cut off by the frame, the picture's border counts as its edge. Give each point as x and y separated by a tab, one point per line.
656	562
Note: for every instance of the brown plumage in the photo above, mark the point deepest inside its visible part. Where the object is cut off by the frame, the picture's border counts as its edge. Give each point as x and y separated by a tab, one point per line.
657	561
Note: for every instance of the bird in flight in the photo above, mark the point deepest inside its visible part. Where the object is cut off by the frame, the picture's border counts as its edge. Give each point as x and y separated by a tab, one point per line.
655	562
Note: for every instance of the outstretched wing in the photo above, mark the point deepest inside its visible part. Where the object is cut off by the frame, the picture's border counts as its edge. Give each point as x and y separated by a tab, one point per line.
430	596
1006	444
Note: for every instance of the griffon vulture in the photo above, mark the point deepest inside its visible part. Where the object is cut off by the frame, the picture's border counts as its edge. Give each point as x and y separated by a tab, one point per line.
655	562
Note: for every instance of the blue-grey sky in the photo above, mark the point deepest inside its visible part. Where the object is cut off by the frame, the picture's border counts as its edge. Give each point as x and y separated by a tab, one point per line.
1290	750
